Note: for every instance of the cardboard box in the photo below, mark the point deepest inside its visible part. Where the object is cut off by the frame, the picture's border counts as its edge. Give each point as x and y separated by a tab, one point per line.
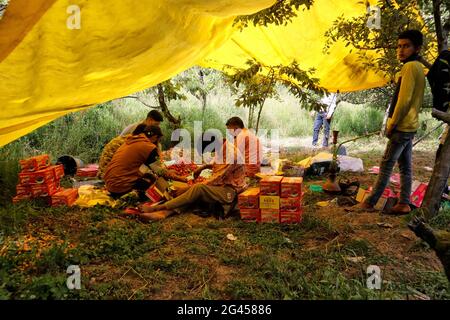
45	189
58	171
154	194
64	197
269	202
38	177
385	203
90	170
418	194
23	190
17	199
35	163
270	186
291	187
250	215
290	204
362	194
291	217
249	199
270	215
158	191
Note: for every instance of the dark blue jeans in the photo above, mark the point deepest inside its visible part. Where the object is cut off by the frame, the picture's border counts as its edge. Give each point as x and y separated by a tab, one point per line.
321	118
398	149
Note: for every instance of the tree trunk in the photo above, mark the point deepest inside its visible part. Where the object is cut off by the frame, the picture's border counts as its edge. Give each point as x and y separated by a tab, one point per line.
250	117
204	100
259	116
385	118
441	40
441	171
202	92
165	109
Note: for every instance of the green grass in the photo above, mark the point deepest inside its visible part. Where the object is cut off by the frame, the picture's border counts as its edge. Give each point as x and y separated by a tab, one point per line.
123	259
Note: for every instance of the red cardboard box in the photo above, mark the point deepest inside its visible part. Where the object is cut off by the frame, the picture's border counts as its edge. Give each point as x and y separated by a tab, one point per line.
270	215
418	195
64	197
290	204
291	217
249	199
90	170
35	163
58	171
23	190
250	215
270	186
17	199
291	187
38	177
45	189
154	194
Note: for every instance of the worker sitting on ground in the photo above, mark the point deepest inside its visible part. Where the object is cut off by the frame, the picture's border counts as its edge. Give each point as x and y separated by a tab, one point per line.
110	149
123	174
157	167
226	182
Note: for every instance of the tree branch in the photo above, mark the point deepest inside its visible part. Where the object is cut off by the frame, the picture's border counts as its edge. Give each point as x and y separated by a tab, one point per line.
143	102
440	115
438	24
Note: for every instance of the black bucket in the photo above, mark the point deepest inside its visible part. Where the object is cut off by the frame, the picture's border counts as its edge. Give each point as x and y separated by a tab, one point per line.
71	164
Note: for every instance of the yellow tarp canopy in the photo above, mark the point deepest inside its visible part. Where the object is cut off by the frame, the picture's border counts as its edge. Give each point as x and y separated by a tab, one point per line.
302	40
48	70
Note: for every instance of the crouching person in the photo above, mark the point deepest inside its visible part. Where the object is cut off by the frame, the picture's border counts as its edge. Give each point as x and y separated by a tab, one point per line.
226	182
122	174
110	149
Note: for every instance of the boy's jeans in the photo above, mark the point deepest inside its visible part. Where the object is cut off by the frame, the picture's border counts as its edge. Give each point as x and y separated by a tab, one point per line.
399	148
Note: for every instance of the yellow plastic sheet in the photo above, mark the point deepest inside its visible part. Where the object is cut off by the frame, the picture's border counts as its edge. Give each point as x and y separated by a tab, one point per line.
89	196
48	69
302	40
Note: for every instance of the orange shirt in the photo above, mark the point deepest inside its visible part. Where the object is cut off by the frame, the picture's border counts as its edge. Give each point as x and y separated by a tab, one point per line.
249	148
123	170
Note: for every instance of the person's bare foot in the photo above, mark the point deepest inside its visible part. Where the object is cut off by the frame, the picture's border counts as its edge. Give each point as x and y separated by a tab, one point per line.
155	216
150	208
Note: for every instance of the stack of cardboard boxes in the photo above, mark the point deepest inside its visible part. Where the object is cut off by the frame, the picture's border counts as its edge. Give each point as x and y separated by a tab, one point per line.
277	200
291	200
269	200
39	179
248	203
